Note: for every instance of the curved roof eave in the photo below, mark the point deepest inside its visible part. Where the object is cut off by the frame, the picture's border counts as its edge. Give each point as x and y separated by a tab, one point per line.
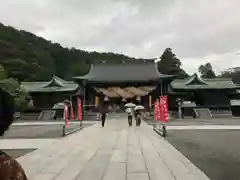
123	72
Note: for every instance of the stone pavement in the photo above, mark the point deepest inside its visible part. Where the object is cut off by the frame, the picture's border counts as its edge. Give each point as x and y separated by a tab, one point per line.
48	123
115	152
205	127
25	143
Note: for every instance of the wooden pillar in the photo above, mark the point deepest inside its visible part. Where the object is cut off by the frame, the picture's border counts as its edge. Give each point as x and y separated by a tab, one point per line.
84	83
150	101
161	88
96	101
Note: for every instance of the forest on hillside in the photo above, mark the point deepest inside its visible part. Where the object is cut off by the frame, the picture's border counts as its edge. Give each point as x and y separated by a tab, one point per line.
27	57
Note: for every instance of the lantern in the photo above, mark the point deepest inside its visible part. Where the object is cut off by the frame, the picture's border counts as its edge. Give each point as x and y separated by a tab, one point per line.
138	98
106	98
96	101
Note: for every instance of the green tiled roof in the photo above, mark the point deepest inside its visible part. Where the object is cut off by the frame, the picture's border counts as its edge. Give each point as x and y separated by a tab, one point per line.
137	71
195	82
55	85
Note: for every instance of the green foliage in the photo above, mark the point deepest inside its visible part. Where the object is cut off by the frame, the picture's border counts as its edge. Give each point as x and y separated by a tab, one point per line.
2	73
207	71
21	99
13	87
170	64
27	57
10	85
232	73
226	74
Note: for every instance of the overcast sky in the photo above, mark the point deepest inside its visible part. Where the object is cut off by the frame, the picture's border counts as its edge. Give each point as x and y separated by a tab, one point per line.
198	31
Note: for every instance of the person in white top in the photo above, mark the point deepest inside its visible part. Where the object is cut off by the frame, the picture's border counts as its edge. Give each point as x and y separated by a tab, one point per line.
130	115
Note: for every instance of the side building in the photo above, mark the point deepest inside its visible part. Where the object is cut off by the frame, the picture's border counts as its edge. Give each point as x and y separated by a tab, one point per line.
46	94
204	92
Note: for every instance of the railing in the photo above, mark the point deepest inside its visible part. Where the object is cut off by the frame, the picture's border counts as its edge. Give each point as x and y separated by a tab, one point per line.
46	117
65	132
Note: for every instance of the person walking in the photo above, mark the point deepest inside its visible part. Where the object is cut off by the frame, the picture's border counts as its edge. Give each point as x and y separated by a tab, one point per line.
138	117
179	103
9	167
103	114
130	115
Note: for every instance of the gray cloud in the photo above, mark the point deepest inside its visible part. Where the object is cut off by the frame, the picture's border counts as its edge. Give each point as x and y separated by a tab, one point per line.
198	31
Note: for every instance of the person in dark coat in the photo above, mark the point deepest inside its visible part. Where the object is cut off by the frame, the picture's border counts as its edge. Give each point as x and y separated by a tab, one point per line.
130	115
138	117
103	114
9	167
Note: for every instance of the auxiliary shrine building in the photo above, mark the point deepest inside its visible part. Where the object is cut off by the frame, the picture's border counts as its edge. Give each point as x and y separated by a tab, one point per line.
45	94
204	92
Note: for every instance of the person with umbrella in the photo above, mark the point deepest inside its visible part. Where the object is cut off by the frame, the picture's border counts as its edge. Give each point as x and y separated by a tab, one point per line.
138	114
130	112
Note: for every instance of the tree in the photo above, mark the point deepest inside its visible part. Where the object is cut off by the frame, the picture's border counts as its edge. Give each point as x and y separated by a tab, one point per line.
233	73
207	71
2	73
226	74
18	68
170	64
27	57
13	87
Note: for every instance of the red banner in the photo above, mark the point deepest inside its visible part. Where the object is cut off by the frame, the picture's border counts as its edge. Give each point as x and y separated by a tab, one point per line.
71	109
160	108
65	115
164	108
156	110
79	109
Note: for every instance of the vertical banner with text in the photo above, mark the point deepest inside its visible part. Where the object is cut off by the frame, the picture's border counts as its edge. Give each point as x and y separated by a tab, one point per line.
164	108
79	104
65	115
71	109
156	110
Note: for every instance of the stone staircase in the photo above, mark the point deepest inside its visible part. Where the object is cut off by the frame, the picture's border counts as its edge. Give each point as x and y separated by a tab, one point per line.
221	114
29	116
46	115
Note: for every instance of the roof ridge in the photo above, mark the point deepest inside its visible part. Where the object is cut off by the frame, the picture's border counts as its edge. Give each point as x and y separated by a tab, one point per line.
217	79
53	81
193	77
58	78
136	61
124	72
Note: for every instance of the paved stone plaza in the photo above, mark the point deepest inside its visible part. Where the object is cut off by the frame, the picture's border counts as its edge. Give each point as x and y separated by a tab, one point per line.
218	150
40	130
115	152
